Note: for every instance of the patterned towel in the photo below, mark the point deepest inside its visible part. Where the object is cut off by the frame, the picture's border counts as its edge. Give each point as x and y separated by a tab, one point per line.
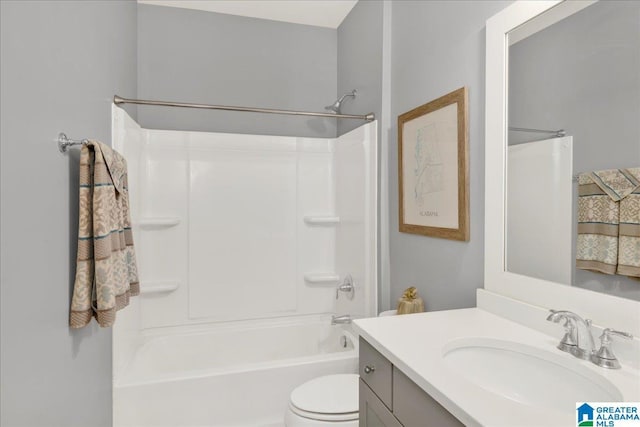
609	222
106	273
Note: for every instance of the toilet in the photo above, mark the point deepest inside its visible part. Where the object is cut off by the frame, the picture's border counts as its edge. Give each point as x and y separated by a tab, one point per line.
328	401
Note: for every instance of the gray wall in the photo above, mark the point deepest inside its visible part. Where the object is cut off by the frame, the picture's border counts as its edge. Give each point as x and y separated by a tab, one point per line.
211	58
361	66
360	62
437	47
583	75
61	63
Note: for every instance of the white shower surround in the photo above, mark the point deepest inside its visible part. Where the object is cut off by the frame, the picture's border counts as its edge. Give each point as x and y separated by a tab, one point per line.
241	231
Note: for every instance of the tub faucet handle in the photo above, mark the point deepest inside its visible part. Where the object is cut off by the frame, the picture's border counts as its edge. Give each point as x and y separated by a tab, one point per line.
346	287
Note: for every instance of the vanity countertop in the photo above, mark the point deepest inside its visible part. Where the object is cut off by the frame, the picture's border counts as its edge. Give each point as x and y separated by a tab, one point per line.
415	344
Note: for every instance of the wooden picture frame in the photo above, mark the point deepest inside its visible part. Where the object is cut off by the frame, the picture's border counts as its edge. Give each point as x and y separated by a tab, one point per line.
433	168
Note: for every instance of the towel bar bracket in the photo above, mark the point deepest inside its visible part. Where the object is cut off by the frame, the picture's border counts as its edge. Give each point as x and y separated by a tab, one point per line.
64	142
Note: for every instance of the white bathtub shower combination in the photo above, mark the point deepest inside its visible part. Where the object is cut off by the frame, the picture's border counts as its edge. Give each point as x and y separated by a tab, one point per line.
242	241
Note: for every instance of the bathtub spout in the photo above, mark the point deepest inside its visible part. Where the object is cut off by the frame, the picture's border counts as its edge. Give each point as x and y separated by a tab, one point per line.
341	320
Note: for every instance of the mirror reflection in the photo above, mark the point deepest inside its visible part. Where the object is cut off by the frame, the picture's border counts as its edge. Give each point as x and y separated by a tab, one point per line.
574	111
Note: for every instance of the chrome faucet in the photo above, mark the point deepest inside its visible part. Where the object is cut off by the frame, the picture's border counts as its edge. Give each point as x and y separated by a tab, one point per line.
577	339
341	320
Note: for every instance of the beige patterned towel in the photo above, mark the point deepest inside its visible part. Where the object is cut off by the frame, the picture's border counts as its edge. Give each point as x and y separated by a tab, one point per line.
609	222
106	273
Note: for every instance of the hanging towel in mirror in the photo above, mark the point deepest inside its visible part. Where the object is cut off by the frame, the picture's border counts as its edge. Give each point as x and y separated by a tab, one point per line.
609	222
106	272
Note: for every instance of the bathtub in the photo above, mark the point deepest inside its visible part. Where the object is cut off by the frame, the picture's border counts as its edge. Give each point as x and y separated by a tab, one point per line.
237	374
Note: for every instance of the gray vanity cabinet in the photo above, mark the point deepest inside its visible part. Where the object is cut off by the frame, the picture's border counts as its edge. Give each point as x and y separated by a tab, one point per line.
388	398
374	413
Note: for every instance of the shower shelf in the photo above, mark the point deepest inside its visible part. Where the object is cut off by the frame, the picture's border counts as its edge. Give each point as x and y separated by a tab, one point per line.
322	278
158	222
158	287
321	219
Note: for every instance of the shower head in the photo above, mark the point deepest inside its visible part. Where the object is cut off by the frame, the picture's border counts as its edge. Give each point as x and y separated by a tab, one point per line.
335	107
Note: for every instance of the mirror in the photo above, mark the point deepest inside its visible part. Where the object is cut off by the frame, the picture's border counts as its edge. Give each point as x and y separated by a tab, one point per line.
573	103
606	309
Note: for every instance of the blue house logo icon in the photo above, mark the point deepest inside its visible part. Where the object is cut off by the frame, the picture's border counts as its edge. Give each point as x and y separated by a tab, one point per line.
585	415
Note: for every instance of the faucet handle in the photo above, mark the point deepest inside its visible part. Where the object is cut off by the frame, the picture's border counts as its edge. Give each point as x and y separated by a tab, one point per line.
605	357
569	342
347	287
608	332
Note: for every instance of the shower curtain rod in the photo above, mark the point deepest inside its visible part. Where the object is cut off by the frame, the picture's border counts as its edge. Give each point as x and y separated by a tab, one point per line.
558	133
120	100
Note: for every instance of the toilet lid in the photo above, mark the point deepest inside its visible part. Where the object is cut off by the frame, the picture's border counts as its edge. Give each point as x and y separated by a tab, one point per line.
331	394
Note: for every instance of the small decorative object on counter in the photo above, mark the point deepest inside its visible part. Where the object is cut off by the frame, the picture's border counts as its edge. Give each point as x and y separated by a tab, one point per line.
410	302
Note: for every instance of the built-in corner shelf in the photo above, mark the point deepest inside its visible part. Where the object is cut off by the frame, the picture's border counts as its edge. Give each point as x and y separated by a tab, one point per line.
147	288
322	278
321	219
158	222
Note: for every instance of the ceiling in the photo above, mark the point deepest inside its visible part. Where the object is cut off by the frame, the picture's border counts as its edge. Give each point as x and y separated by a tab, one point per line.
321	13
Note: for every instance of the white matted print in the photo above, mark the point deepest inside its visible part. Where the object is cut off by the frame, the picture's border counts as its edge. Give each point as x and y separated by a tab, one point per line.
433	168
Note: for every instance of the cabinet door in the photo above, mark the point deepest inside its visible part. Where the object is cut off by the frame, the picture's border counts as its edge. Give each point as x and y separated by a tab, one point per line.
373	413
376	371
415	408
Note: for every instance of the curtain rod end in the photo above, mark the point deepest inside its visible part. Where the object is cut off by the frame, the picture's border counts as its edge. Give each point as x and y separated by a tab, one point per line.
118	100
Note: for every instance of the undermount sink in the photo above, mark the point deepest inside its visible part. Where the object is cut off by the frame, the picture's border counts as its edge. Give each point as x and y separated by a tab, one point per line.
527	375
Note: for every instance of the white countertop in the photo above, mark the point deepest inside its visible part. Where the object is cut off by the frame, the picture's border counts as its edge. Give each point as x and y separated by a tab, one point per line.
414	344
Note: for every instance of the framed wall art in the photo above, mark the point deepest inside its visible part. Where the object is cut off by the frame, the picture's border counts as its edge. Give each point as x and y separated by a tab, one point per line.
433	168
